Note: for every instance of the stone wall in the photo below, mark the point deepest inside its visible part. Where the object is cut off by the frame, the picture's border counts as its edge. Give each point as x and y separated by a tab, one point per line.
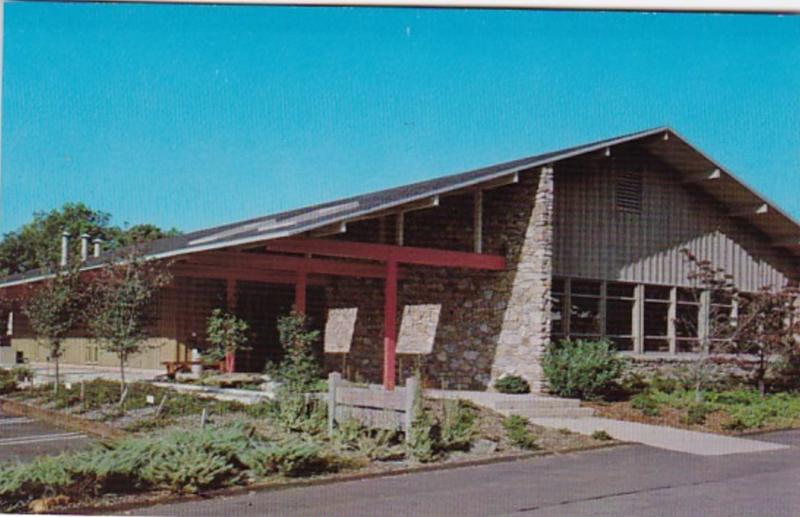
490	323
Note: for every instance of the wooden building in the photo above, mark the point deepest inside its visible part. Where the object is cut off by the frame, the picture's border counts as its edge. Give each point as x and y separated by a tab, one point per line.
469	276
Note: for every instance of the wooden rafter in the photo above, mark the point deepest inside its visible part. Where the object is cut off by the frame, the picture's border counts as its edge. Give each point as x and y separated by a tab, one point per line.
387	252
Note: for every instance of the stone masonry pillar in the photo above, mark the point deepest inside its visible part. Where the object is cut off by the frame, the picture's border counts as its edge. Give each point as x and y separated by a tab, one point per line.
526	323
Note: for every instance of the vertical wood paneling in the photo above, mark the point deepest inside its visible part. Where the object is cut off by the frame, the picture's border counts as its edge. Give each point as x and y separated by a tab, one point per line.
594	240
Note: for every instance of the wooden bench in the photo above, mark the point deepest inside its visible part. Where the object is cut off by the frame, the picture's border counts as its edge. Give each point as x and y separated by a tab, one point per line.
174	367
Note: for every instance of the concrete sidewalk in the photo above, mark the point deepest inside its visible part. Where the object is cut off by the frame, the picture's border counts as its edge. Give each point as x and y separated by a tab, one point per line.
662	437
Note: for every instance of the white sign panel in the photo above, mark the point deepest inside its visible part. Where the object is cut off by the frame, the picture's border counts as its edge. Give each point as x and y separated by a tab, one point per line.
339	329
418	329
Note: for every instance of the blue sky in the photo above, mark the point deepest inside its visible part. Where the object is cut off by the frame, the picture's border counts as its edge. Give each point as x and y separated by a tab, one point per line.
192	116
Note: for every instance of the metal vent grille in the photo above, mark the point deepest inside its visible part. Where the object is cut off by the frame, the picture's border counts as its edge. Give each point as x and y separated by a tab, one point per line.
628	191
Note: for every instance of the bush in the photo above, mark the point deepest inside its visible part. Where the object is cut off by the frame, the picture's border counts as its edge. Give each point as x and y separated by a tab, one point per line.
582	369
512	384
293	457
458	425
8	381
697	413
645	403
601	435
423	443
518	433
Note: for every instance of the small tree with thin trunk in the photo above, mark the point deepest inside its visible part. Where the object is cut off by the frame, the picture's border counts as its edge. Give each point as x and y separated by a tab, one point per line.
54	307
766	322
228	334
121	308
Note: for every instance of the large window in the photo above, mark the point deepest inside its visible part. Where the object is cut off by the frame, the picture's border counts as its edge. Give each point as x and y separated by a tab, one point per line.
640	318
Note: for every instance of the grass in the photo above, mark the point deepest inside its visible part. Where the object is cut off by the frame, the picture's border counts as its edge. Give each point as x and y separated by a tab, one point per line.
730	410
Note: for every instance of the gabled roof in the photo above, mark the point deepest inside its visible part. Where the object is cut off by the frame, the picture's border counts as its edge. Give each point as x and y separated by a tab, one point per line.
663	142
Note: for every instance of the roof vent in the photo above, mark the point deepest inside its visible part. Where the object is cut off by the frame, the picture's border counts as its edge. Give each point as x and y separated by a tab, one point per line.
628	191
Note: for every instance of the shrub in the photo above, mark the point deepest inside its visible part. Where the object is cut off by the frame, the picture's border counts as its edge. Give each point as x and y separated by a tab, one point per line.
697	413
582	369
512	384
8	382
518	433
645	403
422	444
458	425
601	435
293	457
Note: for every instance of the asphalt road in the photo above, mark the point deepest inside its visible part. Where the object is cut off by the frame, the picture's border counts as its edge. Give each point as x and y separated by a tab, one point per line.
23	438
629	480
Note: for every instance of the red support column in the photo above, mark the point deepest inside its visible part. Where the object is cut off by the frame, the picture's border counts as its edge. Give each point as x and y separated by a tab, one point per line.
230	357
390	325
300	292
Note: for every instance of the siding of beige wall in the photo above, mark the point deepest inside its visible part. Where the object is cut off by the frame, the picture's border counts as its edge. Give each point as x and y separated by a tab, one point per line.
595	240
80	351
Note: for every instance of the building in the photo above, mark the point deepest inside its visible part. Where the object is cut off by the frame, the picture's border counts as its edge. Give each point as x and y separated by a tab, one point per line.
468	276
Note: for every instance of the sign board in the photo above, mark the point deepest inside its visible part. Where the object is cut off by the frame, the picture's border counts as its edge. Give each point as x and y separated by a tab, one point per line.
418	329
339	329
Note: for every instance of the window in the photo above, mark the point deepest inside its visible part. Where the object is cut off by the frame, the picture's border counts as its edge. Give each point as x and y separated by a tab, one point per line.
656	318
584	315
687	321
628	191
620	314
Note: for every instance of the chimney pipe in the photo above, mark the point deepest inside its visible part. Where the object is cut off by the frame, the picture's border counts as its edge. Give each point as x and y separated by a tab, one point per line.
64	248
97	242
84	247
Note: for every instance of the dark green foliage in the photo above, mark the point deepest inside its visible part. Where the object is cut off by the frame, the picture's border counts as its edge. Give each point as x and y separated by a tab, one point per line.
299	371
645	403
422	443
601	435
696	413
226	332
512	384
374	444
180	462
518	433
458	429
588	370
8	381
37	244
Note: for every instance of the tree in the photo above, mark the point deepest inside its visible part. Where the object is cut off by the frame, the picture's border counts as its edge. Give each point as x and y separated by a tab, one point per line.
765	324
54	307
38	243
121	305
228	334
298	370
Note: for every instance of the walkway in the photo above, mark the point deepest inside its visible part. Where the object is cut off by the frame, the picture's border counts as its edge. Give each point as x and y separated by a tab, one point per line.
662	437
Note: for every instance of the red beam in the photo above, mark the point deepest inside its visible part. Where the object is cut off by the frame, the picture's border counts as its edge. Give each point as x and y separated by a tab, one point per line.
300	293
383	252
286	263
390	325
246	274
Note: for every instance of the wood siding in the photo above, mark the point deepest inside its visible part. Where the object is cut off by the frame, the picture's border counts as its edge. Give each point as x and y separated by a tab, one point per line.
595	239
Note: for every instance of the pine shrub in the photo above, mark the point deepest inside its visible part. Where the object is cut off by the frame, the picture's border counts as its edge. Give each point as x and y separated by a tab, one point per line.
587	370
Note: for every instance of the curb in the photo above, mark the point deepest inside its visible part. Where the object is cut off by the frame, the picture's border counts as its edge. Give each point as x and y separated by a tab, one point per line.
274	486
71	422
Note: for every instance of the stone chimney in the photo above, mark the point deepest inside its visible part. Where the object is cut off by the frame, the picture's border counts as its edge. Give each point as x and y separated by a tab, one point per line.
97	243
84	247
64	248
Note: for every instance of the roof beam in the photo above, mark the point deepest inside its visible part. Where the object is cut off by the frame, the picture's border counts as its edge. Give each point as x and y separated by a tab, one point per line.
701	176
386	252
261	261
787	242
749	210
238	273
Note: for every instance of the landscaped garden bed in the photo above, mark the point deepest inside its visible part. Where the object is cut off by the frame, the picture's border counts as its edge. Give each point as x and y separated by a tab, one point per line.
179	452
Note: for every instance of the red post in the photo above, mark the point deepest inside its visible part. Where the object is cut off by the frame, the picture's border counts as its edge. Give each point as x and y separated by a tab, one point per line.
230	357
300	292
390	325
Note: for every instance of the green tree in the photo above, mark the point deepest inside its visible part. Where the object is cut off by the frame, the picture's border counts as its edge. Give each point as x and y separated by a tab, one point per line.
298	371
38	243
121	305
228	334
54	307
